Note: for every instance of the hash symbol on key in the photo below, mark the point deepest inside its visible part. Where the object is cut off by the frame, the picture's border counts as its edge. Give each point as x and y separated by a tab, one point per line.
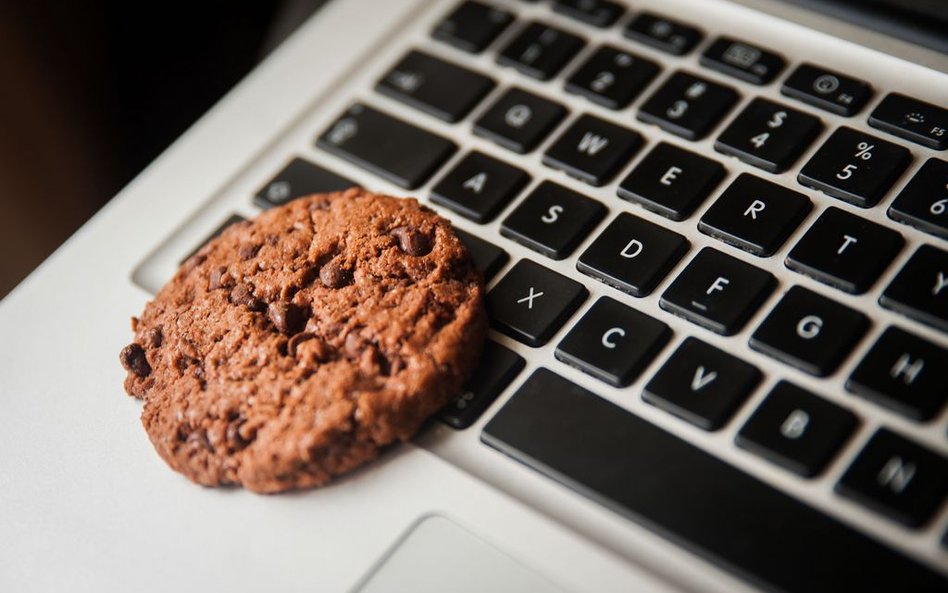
529	298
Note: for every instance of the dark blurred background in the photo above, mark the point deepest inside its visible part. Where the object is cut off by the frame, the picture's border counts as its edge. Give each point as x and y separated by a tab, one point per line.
93	91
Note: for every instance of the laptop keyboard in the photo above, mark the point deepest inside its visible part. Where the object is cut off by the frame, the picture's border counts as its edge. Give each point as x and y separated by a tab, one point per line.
564	431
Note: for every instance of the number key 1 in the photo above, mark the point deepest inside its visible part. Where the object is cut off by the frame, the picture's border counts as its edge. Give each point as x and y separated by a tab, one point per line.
855	167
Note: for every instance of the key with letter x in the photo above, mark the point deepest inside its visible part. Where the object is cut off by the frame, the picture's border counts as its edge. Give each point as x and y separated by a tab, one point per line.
531	302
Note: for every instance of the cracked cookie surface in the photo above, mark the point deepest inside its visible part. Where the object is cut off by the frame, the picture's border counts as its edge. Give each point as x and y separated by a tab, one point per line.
294	347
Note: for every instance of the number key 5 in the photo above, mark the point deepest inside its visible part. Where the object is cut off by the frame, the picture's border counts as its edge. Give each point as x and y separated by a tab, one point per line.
855	167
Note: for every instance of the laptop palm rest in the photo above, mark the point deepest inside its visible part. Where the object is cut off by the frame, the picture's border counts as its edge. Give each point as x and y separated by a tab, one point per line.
436	555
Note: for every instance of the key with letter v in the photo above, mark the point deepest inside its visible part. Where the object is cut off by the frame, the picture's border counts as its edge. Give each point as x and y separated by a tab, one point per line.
687	386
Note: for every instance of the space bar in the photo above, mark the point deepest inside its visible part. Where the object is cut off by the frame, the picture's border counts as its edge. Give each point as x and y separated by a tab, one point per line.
691	497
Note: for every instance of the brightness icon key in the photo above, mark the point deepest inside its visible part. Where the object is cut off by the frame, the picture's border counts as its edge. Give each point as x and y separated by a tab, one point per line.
913	120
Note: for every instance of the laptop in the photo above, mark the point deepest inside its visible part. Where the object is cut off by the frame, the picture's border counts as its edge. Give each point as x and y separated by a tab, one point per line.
715	240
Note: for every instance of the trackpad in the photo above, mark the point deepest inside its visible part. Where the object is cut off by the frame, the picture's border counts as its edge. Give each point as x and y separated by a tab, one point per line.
438	555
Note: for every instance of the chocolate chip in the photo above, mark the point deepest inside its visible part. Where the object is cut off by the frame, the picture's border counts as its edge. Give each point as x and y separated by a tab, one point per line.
219	278
199	437
315	347
319	202
243	295
154	337
334	275
412	241
234	438
287	317
195	260
134	360
248	250
354	345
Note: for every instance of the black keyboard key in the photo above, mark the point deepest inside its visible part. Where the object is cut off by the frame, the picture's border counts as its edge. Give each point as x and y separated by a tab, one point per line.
530	303
592	150
540	51
718	292
519	120
553	220
441	89
923	203
702	384
920	290
687	105
855	167
809	331
742	60
498	367
395	150
231	220
632	254
479	187
488	258
598	13
904	373
662	33
797	430
845	251
613	342
671	181
755	215
898	478
472	26
769	135
299	178
912	119
612	77
711	508
826	89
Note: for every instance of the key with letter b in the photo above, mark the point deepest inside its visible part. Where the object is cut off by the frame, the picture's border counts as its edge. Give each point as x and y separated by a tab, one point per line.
797	430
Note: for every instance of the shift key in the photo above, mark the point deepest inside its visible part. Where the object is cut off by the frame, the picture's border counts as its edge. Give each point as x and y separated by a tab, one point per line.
691	497
391	148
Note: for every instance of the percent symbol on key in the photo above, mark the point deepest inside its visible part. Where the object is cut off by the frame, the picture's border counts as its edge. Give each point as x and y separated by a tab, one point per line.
864	150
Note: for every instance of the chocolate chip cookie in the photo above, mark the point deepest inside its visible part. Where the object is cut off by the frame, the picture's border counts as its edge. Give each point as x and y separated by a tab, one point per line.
295	347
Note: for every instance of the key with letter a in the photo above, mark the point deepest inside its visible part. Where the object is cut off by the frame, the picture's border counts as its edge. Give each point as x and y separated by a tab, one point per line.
479	187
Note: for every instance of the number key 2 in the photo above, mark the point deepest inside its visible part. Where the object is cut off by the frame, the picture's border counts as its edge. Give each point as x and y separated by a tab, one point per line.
855	167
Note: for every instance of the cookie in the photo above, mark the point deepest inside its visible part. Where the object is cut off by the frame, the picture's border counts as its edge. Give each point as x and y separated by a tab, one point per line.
294	348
